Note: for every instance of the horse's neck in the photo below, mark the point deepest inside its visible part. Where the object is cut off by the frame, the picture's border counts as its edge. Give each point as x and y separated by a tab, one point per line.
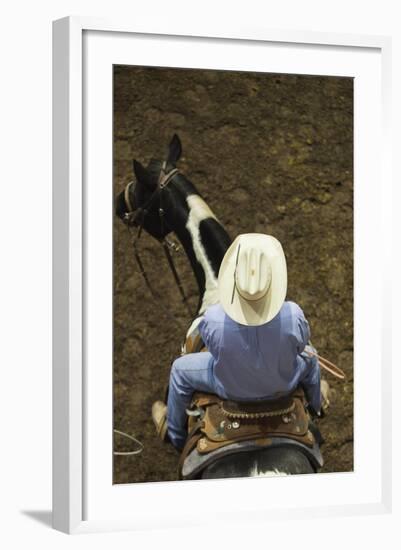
199	215
204	240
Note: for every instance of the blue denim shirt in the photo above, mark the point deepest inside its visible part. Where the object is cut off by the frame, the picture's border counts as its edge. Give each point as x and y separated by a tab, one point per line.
266	361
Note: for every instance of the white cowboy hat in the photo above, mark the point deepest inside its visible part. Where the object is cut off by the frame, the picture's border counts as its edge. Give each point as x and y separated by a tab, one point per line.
252	280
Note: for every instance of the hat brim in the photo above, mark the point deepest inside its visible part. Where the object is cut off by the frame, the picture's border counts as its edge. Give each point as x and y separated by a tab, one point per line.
253	312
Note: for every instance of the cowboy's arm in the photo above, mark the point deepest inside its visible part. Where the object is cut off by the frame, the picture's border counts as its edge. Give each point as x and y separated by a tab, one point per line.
310	381
310	377
210	329
203	333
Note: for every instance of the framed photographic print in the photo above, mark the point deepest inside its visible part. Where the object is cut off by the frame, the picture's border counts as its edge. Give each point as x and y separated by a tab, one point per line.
167	147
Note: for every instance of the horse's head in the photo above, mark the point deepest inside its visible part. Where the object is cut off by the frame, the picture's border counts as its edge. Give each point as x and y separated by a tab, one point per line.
139	204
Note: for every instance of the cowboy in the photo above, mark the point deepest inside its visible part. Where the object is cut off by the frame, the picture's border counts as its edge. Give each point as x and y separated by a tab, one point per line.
257	342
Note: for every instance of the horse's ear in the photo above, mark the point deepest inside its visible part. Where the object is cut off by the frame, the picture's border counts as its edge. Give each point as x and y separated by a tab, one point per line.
174	150
141	174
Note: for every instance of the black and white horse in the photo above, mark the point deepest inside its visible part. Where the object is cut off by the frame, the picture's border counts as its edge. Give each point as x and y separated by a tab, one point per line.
163	200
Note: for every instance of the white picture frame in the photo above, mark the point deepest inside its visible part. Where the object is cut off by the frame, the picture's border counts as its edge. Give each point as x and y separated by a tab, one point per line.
74	437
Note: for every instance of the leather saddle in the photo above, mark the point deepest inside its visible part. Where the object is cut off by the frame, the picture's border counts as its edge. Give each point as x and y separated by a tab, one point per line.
218	427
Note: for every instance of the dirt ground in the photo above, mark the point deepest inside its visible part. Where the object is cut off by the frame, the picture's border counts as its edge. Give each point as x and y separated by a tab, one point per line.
270	153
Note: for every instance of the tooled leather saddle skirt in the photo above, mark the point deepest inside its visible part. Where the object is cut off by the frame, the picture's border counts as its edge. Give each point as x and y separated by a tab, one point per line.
217	427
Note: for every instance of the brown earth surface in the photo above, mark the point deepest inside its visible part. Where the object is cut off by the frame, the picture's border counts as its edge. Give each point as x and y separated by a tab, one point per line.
270	153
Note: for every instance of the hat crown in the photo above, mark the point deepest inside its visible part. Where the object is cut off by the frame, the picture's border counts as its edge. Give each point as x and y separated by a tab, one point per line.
253	273
256	263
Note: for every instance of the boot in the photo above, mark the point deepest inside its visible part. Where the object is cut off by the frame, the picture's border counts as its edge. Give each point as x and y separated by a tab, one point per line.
159	416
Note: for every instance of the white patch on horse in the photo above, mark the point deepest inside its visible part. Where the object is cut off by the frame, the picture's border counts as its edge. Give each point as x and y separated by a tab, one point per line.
199	211
255	472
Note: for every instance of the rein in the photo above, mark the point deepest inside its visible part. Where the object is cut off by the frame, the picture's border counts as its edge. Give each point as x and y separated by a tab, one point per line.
132	217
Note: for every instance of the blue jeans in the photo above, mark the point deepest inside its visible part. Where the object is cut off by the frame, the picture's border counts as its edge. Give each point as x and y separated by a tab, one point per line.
189	373
194	372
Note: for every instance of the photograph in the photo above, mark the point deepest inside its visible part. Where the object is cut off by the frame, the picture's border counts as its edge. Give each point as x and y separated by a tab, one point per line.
233	295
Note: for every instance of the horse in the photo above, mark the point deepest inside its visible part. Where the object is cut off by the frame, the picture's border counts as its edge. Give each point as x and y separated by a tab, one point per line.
161	201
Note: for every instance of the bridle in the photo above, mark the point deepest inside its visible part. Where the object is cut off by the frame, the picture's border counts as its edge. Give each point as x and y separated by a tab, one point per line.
136	217
131	217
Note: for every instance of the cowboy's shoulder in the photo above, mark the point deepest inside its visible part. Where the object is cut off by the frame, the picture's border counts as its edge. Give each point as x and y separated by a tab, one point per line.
292	309
214	314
